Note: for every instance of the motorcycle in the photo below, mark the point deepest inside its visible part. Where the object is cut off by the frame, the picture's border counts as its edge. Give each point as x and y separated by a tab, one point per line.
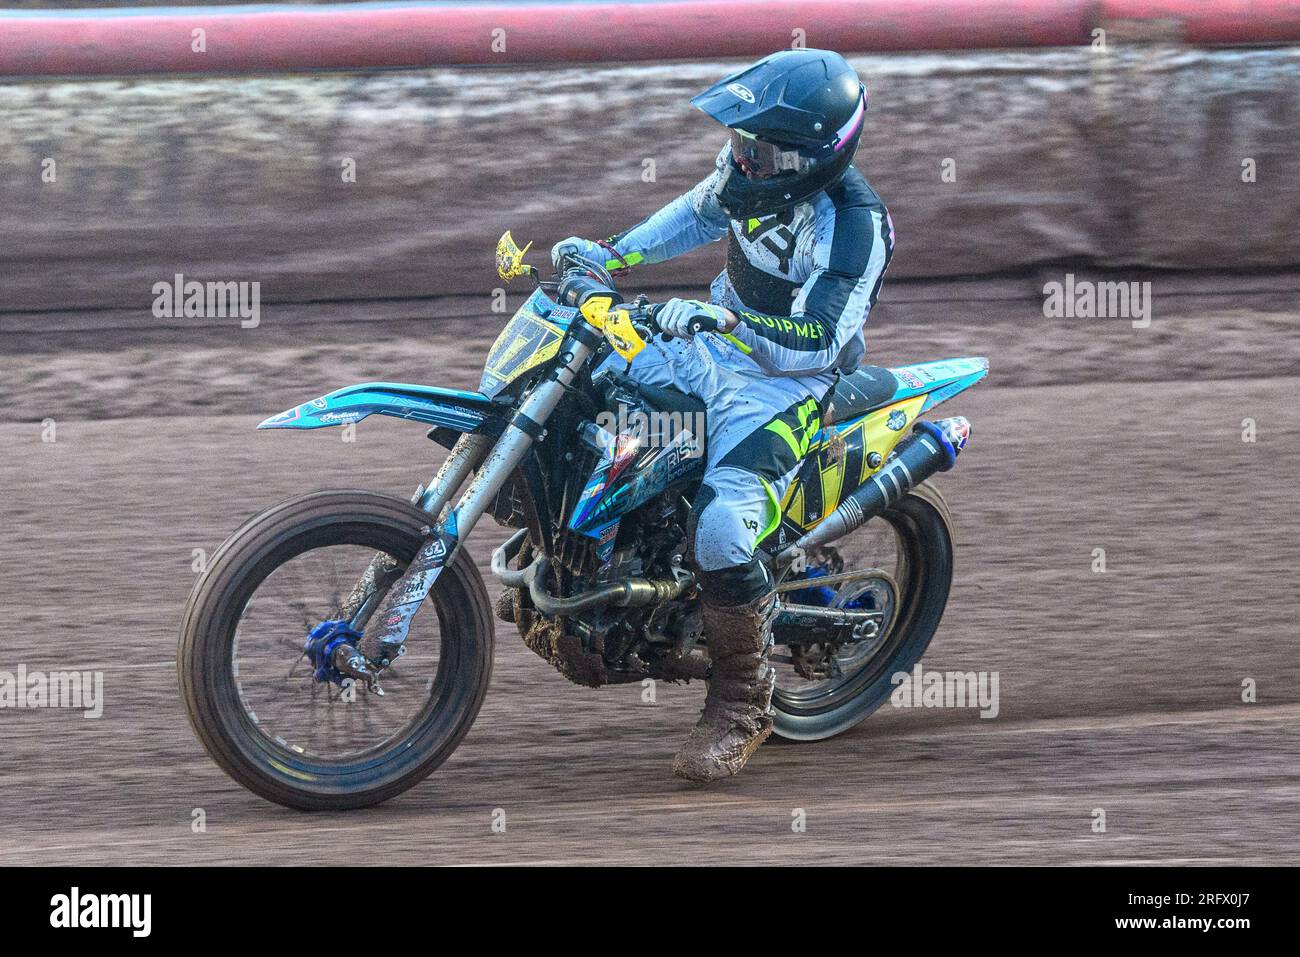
338	646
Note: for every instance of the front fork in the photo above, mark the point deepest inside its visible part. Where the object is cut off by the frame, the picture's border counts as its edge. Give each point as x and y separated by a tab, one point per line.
397	603
384	569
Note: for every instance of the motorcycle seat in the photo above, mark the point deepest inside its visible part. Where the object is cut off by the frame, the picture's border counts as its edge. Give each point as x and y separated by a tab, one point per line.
865	390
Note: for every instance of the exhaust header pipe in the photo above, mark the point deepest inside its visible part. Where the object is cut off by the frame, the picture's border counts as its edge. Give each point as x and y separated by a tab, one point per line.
620	593
932	447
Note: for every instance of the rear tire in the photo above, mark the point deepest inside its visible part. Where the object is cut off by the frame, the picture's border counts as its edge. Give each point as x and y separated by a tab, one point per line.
209	684
925	537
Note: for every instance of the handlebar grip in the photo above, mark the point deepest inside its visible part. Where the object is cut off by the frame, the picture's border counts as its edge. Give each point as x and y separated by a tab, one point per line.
698	324
703	323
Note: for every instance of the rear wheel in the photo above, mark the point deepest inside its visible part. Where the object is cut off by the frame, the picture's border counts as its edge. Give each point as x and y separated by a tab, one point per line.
250	693
911	543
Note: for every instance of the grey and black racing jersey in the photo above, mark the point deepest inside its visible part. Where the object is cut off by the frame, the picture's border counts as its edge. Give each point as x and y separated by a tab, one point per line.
802	280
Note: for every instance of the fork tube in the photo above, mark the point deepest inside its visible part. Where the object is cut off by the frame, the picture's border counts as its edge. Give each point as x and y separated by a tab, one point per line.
527	426
370	589
464	457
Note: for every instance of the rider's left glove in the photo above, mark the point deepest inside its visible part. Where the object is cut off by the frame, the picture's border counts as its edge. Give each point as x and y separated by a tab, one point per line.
676	316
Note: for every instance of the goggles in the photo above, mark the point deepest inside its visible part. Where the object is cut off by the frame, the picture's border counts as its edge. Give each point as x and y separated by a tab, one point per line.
759	159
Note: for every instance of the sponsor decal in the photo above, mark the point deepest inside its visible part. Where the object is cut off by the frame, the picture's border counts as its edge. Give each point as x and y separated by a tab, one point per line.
605	547
686	451
288	415
897	419
416	587
741	91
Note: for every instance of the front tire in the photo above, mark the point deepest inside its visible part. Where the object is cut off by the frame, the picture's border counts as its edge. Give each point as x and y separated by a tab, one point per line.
209	671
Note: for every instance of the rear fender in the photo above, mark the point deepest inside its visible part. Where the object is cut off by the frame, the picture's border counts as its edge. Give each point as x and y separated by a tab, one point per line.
938	381
927	492
451	408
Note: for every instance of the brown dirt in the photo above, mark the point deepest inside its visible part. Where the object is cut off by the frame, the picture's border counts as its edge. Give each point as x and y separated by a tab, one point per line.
1119	691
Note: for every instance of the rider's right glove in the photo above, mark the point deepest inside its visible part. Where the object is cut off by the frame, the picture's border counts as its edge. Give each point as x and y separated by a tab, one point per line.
677	317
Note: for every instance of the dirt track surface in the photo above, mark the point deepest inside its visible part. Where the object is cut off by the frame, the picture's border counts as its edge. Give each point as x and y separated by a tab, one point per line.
1119	691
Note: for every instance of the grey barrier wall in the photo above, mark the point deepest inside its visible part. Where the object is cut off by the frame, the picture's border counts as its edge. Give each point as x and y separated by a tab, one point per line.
339	186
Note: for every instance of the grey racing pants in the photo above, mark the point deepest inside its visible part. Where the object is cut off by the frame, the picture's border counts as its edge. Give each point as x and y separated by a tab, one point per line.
759	427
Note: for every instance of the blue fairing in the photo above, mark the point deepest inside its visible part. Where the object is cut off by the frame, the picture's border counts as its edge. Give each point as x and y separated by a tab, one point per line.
453	408
626	475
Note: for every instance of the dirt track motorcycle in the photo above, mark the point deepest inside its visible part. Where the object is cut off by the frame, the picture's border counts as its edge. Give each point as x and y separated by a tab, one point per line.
339	645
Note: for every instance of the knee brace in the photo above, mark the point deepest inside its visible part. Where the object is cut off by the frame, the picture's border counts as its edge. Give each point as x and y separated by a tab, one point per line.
729	573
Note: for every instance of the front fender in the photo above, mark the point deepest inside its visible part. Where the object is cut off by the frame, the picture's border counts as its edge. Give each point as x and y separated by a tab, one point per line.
452	408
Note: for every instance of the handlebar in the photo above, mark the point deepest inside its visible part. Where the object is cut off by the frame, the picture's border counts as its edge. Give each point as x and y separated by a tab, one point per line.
580	278
700	323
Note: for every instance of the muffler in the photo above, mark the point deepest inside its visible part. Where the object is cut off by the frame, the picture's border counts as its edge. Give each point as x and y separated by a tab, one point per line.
932	447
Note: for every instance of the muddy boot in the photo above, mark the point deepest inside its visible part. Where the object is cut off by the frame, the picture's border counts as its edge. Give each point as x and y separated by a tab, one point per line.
737	714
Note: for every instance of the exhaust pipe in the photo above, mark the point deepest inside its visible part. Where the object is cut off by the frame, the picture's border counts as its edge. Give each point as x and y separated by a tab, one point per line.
932	447
621	593
504	555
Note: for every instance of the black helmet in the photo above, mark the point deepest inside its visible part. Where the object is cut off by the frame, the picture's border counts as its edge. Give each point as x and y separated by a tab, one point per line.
795	119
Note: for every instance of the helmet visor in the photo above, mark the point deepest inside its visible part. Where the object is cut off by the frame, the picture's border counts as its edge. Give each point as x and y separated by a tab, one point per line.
759	159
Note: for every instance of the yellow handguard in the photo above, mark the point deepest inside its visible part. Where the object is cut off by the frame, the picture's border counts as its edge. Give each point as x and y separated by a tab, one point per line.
510	258
616	324
622	335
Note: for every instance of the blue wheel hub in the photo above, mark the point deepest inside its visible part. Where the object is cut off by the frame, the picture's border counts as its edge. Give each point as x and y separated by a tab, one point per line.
321	643
824	595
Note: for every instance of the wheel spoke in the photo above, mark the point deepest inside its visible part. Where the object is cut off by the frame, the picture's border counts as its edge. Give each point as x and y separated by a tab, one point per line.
864	564
299	712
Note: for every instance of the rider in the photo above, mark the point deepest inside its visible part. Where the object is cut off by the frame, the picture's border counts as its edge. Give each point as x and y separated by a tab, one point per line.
808	242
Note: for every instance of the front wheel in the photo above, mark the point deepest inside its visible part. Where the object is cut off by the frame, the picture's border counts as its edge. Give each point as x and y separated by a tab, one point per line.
250	692
821	692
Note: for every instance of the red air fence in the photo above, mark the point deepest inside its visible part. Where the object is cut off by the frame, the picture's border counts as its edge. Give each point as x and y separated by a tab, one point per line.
362	36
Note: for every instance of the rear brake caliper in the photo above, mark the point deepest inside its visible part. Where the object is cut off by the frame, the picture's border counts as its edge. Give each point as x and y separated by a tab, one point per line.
332	648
